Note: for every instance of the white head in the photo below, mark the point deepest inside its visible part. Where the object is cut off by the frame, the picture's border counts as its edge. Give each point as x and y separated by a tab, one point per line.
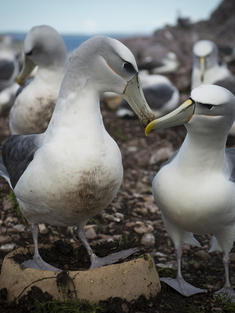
205	56
43	46
209	110
105	64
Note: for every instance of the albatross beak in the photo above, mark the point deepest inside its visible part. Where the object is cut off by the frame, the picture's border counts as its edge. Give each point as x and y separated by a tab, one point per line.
27	69
133	93
202	68
179	116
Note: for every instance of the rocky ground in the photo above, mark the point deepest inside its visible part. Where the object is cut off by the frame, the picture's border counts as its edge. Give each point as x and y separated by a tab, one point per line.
132	217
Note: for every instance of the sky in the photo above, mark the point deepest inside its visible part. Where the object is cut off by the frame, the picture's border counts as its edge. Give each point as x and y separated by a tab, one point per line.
100	16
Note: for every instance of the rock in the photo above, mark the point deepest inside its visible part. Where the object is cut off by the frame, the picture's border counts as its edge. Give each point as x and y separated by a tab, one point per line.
202	254
90	232
4	239
19	227
43	229
161	154
7	205
148	240
141	228
7	247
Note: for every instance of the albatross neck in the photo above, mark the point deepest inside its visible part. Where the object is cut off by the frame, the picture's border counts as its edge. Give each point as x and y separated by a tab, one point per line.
79	111
202	152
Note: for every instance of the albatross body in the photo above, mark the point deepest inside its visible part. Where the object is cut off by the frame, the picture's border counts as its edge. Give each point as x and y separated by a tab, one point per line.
33	107
196	189
73	170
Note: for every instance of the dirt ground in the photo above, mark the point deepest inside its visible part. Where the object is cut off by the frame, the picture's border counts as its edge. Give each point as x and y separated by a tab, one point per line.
132	218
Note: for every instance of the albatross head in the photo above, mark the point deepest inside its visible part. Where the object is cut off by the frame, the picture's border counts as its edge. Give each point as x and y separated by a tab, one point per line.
43	46
205	56
105	64
210	109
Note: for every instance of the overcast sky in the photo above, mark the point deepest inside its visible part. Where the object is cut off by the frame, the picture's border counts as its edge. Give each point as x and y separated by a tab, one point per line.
100	16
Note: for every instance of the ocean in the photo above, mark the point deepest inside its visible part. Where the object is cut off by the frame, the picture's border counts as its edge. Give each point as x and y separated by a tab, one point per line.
71	41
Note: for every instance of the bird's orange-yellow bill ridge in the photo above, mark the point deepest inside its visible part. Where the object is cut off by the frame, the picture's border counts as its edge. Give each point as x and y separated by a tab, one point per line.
179	116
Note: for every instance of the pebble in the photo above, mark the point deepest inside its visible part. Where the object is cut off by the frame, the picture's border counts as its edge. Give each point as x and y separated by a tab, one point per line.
7	247
4	239
141	228
19	227
152	208
43	229
232	257
202	254
6	204
148	240
90	233
161	154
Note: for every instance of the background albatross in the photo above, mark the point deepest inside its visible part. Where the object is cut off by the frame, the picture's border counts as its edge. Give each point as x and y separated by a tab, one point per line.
73	170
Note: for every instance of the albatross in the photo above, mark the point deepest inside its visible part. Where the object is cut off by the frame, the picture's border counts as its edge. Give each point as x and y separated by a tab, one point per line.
73	170
208	68
195	190
33	107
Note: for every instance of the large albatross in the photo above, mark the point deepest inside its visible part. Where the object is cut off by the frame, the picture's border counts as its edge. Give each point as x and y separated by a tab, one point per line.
195	190
33	107
73	170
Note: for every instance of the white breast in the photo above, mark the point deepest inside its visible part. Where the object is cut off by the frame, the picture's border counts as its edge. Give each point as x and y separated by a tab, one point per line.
199	205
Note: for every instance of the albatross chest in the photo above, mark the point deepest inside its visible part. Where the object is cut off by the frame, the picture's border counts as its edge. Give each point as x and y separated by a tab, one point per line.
197	204
69	189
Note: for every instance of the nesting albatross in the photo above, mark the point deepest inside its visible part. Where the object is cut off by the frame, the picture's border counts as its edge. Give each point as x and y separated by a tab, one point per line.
73	170
195	190
33	107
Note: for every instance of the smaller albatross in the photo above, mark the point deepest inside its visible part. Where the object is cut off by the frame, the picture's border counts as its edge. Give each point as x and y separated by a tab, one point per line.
195	190
33	107
73	170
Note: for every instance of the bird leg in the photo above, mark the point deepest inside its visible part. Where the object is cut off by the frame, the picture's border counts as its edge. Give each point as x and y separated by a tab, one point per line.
101	261
227	289
37	262
178	283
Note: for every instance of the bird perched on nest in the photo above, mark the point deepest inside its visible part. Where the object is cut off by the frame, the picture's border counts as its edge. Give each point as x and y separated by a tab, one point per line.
73	170
195	190
161	95
33	107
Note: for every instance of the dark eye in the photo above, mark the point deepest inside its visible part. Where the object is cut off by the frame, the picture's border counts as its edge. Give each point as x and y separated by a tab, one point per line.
208	106
29	53
129	67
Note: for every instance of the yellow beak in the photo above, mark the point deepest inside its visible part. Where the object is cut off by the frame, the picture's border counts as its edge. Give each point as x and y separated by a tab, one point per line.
134	95
179	116
27	69
202	68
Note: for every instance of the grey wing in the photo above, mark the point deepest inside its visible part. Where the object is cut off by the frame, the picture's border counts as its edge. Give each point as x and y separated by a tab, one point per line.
228	83
230	154
158	95
17	152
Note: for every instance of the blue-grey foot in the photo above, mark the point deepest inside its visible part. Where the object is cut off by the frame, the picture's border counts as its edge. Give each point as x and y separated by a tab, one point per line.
38	263
111	258
228	292
181	286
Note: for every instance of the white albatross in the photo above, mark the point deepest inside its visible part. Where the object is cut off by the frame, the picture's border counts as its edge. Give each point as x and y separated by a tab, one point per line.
73	170
34	105
195	190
